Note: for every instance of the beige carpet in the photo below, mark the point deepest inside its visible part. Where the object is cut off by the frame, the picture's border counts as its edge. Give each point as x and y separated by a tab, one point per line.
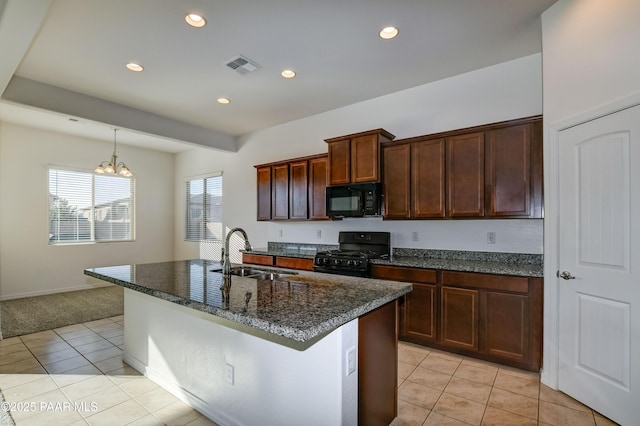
33	314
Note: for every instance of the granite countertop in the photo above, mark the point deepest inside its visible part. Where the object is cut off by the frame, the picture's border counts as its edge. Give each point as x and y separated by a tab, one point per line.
463	265
517	264
300	308
303	254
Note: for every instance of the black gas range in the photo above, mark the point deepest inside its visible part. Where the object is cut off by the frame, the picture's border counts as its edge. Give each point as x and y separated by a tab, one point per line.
354	252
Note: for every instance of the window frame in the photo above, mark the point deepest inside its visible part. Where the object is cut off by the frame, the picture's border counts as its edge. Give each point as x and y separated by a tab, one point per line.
187	219
92	240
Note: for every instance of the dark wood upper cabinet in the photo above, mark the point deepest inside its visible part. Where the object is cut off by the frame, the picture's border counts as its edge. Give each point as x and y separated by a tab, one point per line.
365	154
489	171
298	190
465	175
355	158
396	184
280	192
318	179
428	179
340	160
264	193
293	189
513	171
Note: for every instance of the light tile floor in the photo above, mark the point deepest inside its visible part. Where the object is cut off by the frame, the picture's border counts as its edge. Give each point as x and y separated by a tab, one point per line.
441	388
75	375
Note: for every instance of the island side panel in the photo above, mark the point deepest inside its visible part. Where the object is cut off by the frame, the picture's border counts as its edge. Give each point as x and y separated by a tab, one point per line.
378	366
186	352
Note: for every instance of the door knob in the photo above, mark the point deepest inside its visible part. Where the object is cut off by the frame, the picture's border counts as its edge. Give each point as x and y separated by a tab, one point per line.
566	275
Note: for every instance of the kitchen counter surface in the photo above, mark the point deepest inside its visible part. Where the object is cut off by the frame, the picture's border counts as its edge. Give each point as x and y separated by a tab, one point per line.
302	254
301	307
517	264
463	265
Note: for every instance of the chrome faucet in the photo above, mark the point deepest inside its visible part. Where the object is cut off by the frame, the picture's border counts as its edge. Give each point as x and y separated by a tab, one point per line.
226	262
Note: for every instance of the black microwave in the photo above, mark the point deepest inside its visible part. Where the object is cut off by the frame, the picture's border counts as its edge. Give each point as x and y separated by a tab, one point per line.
354	200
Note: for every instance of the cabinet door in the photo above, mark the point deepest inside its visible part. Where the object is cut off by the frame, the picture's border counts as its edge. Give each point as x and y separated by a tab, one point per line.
280	192
264	193
508	172
340	162
505	325
257	259
365	159
318	177
294	263
419	315
465	175
396	187
427	179
459	318
298	190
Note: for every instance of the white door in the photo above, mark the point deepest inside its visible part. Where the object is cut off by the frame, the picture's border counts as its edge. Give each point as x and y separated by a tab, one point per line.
599	261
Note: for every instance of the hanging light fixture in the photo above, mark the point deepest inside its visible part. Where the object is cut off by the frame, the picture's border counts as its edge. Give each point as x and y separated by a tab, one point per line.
113	167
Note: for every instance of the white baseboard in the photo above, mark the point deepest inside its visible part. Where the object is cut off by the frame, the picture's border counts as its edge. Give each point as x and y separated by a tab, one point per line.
54	291
179	392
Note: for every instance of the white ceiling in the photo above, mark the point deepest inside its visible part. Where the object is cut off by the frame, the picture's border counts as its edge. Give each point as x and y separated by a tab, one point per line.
68	57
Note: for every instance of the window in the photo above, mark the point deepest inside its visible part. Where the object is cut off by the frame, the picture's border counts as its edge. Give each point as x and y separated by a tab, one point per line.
204	209
84	207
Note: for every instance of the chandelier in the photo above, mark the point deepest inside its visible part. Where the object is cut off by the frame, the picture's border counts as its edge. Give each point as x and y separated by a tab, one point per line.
113	167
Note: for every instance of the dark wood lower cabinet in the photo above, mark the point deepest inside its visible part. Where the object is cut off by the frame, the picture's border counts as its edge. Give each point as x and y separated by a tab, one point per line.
459	318
505	325
294	263
378	366
419	313
418	309
279	261
493	317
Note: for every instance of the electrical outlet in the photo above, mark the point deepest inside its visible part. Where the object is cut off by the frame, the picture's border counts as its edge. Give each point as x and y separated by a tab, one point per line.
414	236
228	373
351	361
319	234
491	237
280	233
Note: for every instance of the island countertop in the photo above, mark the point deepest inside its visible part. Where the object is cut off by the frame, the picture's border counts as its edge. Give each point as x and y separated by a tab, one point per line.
300	307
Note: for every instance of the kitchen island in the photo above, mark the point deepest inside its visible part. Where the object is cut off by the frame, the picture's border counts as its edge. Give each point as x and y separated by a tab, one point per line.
294	350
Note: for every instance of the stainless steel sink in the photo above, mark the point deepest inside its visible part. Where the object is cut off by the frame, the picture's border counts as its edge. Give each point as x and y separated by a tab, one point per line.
271	276
245	271
258	273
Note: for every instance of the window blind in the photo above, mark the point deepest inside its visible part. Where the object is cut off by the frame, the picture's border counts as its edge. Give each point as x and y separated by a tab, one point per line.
85	207
204	209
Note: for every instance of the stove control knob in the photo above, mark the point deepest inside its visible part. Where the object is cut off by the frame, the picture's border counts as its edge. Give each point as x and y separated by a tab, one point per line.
351	262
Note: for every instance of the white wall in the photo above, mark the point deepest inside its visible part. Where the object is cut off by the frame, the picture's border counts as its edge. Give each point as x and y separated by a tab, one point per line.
273	384
501	92
29	266
591	64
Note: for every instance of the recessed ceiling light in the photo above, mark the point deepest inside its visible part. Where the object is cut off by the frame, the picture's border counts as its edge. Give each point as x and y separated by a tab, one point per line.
195	20
223	101
132	66
288	73
388	32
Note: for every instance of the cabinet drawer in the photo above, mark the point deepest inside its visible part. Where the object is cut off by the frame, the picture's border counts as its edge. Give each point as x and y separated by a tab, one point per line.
294	263
397	273
486	281
257	259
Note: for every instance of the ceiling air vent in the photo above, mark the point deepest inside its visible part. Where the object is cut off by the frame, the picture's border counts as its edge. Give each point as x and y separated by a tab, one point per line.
242	65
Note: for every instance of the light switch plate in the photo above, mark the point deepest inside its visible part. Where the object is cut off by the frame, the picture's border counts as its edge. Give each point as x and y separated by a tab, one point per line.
228	372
